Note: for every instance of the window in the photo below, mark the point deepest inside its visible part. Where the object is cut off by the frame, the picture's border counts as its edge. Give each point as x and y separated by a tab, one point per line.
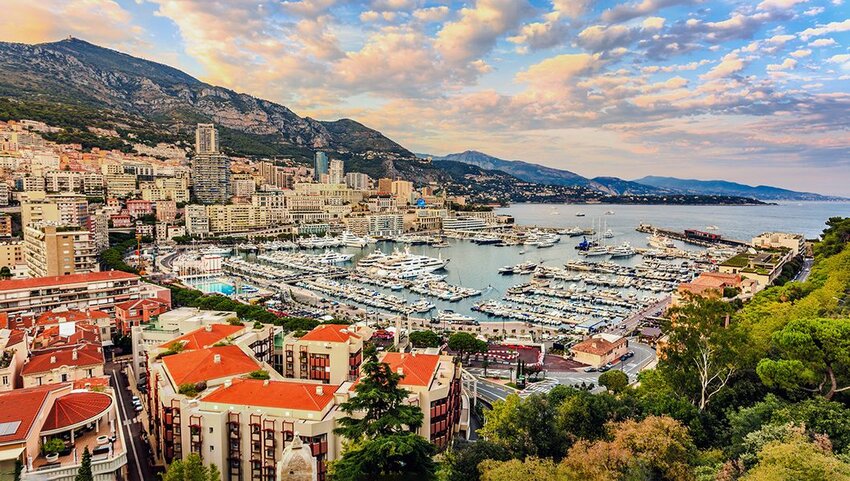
212	448
5	380
211	430
63	377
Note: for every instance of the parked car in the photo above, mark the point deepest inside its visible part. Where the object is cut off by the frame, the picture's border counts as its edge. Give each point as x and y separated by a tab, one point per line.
590	369
604	368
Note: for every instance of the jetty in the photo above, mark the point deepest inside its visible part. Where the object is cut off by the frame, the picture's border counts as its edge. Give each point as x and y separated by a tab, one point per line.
691	236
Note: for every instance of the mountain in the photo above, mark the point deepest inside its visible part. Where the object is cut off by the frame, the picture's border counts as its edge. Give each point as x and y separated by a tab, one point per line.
143	99
722	187
540	174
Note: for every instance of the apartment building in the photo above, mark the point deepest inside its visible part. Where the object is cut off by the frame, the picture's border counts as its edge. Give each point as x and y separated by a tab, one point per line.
56	251
5	225
69	364
197	220
12	256
795	243
166	188
357	181
402	190
385	225
78	414
211	178
137	312
98	290
120	184
330	353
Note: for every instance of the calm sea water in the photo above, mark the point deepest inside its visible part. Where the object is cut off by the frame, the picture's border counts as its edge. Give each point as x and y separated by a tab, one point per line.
477	266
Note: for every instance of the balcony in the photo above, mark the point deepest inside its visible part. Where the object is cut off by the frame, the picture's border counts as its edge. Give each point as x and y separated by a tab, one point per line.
65	468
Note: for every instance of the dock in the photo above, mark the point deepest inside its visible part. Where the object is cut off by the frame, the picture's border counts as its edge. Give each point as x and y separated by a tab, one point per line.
703	241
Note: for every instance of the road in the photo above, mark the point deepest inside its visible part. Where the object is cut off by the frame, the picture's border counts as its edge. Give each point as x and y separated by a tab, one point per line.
491	391
805	270
644	355
138	465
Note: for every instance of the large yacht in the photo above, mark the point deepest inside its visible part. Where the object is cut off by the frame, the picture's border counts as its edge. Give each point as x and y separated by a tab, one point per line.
350	240
402	265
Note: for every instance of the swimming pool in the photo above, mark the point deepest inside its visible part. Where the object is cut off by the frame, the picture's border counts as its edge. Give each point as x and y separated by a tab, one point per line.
215	287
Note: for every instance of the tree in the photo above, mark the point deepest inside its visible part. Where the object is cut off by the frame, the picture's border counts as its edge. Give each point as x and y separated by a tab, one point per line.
84	473
797	459
259	374
424	339
463	460
191	469
465	344
614	380
380	428
814	356
398	456
528	469
701	354
524	427
379	403
656	448
5	273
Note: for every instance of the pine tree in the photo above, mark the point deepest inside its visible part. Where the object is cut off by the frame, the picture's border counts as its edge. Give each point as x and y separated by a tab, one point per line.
85	473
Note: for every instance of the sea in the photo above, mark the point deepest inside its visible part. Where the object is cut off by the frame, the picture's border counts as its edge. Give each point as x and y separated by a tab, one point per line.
476	266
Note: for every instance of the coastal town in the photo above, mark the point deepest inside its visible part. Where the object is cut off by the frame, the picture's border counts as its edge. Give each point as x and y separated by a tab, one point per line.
171	301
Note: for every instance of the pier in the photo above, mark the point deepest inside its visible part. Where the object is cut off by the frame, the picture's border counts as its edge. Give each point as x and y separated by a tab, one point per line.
703	241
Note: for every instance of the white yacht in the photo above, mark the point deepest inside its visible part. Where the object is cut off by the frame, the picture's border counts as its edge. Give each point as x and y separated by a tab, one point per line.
595	251
332	258
608	234
401	265
622	251
220	251
350	240
453	317
660	242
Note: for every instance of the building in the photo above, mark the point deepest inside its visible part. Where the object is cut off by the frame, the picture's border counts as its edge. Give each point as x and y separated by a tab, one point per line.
402	190
14	349
166	188
98	290
137	312
336	172
763	266
385	186
211	177
166	210
330	353
55	251
600	349
77	414
712	285
320	166
795	243
206	139
138	208
357	181
386	225
433	382
70	364
5	225
12	256
463	223
197	221
120	184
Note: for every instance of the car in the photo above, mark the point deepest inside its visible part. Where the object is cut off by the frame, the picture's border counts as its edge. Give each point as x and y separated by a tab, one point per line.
590	369
137	403
604	368
134	398
138	408
629	355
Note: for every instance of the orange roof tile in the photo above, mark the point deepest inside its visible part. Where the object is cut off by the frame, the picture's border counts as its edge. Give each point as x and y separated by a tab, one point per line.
22	406
16	284
418	369
54	317
89	382
200	365
275	394
596	345
87	355
205	336
75	408
330	333
127	305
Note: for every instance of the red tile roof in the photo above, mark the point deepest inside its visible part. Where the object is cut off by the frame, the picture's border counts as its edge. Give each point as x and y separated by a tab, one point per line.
417	369
89	382
330	333
200	365
17	284
597	346
87	355
49	337
139	303
275	394
57	316
23	406
205	336
76	407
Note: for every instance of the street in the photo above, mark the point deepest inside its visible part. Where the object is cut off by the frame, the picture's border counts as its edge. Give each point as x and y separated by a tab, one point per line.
805	270
138	467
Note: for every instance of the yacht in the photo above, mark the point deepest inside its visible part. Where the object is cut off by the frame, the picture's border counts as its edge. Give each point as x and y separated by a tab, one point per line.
608	234
609	212
507	270
660	242
622	251
350	240
485	239
595	251
332	258
453	317
712	227
220	251
402	265
545	244
580	214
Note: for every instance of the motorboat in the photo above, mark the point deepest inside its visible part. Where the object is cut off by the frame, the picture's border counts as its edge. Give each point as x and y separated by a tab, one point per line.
622	251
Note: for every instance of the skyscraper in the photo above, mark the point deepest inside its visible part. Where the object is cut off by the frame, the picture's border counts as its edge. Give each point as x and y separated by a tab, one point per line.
336	172
206	139
320	165
210	168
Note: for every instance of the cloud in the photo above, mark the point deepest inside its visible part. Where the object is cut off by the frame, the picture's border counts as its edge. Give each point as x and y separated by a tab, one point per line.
653	23
729	64
540	35
308	8
478	28
787	64
628	11
781	39
803	52
571	8
598	38
431	14
557	74
51	20
832	27
778	4
822	42
814	11
842	60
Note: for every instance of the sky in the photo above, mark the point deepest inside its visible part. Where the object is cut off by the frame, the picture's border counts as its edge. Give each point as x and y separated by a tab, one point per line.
755	92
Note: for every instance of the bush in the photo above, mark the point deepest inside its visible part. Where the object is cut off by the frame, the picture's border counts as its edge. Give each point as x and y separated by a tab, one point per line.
53	445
